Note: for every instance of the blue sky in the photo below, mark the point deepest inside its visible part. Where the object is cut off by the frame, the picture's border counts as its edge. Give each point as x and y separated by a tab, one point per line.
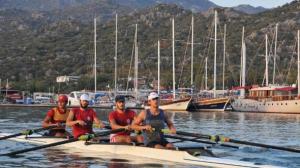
255	3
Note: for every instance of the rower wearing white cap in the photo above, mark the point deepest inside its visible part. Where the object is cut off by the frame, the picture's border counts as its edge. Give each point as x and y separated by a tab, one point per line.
153	120
82	118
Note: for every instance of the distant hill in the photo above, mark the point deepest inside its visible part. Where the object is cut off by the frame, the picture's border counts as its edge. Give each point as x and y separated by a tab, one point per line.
249	9
48	5
38	46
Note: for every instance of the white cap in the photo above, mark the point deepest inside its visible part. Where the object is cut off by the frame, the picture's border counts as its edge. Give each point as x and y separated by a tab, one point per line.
153	95
85	97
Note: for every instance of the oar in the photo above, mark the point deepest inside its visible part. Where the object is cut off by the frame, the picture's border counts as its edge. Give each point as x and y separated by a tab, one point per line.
27	132
82	138
196	139
220	138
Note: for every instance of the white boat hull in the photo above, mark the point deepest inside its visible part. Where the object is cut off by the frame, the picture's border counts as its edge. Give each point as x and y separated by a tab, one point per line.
175	106
250	105
159	154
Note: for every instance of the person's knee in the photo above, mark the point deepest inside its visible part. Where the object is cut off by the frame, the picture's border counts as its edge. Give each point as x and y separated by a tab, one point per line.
169	145
127	139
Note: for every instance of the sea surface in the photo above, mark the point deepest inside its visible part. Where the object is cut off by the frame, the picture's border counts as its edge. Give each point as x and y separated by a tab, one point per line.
273	129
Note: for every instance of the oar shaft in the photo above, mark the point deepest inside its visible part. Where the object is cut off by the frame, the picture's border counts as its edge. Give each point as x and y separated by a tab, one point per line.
11	136
104	133
264	145
193	134
40	147
221	138
27	132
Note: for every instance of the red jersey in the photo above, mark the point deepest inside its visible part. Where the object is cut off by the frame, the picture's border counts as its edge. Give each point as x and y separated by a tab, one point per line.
122	119
57	115
87	116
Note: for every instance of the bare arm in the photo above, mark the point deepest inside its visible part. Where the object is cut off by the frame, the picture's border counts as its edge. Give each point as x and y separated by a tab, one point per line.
46	122
114	125
170	124
98	122
70	120
138	120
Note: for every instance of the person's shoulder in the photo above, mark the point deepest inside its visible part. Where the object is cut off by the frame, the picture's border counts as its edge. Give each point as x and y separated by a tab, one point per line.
129	111
112	113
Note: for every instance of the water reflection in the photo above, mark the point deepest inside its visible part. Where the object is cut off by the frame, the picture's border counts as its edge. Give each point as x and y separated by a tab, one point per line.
276	129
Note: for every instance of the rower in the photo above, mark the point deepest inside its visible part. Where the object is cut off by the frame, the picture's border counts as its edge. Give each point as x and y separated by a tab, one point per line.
57	116
82	118
153	121
122	118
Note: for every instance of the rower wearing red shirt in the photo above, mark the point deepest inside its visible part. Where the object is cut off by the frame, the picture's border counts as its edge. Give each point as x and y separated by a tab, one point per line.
57	116
122	118
82	118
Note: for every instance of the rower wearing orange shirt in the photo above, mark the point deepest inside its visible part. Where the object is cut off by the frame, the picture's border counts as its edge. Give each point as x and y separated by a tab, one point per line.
57	116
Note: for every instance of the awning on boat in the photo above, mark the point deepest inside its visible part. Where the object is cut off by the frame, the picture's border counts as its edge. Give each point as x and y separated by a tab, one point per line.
241	87
286	89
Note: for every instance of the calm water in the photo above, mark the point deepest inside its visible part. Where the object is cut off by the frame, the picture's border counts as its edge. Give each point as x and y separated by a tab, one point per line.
275	129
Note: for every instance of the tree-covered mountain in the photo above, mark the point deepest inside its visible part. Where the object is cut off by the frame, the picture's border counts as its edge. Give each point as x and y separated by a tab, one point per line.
38	46
249	9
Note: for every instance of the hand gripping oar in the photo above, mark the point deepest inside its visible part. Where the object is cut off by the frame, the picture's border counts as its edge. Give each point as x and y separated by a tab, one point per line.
220	138
28	132
81	138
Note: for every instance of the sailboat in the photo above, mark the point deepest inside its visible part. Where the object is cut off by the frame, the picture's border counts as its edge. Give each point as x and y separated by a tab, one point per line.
174	103
271	98
214	103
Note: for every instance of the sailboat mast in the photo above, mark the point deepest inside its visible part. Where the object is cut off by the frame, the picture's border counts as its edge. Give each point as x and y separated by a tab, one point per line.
224	55
158	67
298	52
95	53
215	57
136	63
243	35
173	55
243	69
206	73
275	53
192	53
267	61
116	54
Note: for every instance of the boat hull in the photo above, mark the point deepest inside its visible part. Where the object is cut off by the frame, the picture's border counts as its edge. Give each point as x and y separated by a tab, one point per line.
250	105
140	151
178	105
210	105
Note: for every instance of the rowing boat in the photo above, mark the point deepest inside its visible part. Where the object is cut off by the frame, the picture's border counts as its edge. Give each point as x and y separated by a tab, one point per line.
140	151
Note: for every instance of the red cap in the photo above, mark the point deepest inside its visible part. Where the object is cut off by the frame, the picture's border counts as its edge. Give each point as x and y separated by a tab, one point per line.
62	98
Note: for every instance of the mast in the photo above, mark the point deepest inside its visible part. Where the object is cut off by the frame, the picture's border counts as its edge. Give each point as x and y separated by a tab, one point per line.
275	53
158	67
243	69
173	55
116	54
206	73
224	55
192	54
0	87
298	52
6	88
215	57
136	63
243	36
267	60
95	53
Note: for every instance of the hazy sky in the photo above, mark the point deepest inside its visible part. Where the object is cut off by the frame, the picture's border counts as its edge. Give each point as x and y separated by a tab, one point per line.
255	3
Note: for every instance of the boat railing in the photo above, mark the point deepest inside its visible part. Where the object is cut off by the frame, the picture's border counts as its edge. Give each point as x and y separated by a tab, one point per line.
274	98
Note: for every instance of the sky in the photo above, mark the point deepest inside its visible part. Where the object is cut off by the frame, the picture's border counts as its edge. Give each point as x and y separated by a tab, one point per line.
255	3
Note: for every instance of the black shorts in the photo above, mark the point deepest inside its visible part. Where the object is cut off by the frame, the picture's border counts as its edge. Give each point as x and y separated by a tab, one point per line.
52	132
163	142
